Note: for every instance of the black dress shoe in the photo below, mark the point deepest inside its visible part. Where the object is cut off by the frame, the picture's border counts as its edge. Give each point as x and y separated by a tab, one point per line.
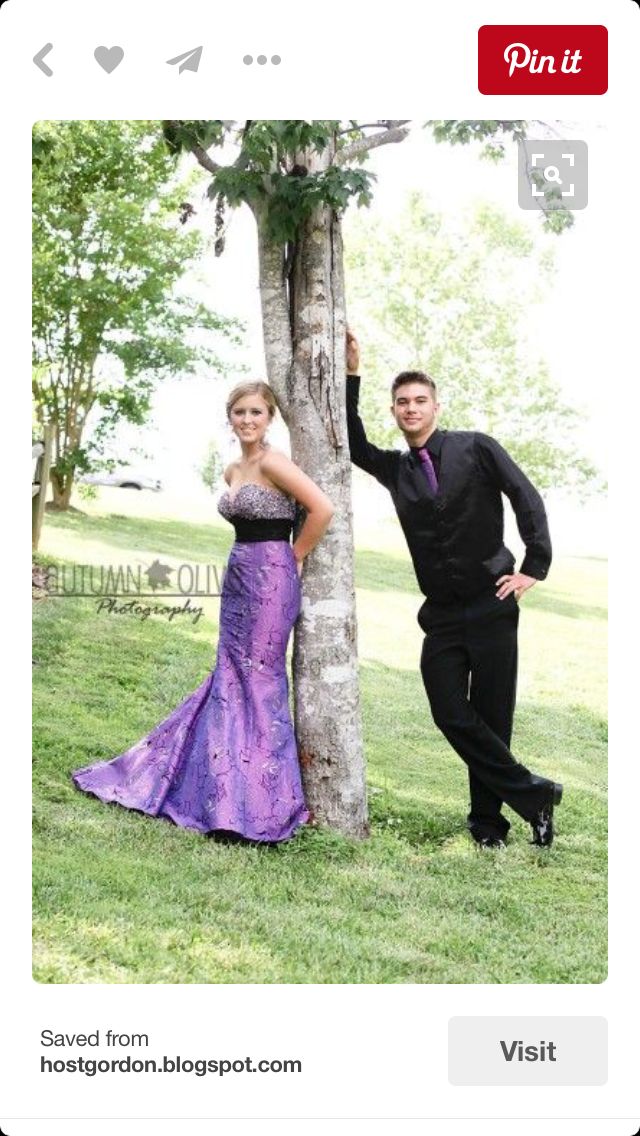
542	826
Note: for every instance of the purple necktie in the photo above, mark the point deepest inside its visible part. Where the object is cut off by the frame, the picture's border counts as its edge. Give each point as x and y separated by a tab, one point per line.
427	468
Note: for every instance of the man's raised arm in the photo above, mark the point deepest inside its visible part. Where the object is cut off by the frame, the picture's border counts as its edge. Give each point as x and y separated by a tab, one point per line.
381	464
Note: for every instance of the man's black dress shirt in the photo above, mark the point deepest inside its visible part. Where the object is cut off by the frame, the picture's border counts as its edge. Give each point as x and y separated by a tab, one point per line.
456	536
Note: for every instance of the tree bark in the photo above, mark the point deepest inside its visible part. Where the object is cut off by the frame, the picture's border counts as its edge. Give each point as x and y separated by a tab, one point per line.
304	333
61	490
304	324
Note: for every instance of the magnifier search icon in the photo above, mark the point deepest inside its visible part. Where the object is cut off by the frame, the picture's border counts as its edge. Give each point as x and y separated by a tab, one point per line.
552	173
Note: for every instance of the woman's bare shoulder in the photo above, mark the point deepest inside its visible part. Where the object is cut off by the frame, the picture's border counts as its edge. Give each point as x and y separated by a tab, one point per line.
228	473
274	459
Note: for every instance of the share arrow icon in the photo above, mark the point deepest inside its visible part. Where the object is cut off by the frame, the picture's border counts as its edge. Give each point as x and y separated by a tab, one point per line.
189	60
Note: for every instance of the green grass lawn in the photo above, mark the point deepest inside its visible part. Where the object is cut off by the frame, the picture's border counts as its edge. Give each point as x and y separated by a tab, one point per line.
119	897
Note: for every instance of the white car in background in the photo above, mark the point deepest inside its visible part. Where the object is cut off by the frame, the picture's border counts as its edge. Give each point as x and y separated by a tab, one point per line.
124	478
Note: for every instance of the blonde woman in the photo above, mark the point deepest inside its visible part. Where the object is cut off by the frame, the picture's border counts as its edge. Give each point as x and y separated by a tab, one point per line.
225	759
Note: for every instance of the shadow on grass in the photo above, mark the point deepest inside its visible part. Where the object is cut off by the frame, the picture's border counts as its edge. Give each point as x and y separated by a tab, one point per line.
410	817
168	537
546	600
419	786
375	571
379	573
412	823
128	677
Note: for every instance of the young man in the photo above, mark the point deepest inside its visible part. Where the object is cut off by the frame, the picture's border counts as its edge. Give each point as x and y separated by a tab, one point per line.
447	490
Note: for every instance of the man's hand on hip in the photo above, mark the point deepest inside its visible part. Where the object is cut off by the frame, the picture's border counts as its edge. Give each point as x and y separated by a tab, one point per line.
516	583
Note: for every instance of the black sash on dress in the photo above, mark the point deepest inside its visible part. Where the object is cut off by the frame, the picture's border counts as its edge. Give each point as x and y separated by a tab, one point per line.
263	528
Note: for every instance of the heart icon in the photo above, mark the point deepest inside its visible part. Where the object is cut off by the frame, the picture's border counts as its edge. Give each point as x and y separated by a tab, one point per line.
109	57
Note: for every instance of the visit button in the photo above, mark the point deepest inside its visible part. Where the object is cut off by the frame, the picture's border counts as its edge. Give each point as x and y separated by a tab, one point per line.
528	1051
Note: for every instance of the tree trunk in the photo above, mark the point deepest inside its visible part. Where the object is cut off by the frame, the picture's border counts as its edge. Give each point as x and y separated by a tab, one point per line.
61	488
305	347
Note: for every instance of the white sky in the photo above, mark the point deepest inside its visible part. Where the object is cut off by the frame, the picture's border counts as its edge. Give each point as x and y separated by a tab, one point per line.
565	329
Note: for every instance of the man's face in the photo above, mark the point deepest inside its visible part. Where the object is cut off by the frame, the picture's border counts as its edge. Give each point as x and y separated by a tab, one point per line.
415	411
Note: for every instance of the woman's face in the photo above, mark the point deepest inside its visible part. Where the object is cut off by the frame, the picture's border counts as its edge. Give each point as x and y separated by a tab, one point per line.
250	418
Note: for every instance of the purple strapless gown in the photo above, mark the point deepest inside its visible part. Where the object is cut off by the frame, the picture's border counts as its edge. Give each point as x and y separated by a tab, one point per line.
226	758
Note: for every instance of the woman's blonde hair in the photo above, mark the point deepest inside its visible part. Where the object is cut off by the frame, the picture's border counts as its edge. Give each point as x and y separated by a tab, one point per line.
256	387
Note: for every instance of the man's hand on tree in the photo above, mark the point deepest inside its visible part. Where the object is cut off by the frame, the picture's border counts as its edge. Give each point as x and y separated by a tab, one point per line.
516	583
353	354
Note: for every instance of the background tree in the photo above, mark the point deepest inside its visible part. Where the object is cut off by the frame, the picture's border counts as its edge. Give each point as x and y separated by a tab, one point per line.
212	467
109	254
428	293
297	177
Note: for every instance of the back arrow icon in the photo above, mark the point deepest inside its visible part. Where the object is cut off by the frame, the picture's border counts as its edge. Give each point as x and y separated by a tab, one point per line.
189	60
39	60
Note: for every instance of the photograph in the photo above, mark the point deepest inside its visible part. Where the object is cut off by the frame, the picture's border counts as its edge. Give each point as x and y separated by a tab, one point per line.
319	553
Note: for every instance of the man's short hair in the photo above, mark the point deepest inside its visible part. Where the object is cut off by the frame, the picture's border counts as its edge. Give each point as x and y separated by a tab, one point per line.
413	377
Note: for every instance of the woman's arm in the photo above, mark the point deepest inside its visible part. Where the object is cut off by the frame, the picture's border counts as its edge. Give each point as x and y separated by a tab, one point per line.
286	475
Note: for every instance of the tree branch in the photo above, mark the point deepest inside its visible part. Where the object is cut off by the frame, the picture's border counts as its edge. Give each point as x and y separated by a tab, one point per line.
550	127
388	124
207	162
198	152
395	132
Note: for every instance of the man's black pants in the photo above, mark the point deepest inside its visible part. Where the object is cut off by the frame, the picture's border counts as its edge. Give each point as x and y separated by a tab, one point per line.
469	667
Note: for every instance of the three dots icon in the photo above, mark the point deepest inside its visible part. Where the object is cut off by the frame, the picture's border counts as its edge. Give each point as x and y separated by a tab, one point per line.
261	60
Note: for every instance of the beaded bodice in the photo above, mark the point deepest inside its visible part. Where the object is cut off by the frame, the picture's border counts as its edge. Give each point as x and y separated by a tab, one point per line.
256	502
